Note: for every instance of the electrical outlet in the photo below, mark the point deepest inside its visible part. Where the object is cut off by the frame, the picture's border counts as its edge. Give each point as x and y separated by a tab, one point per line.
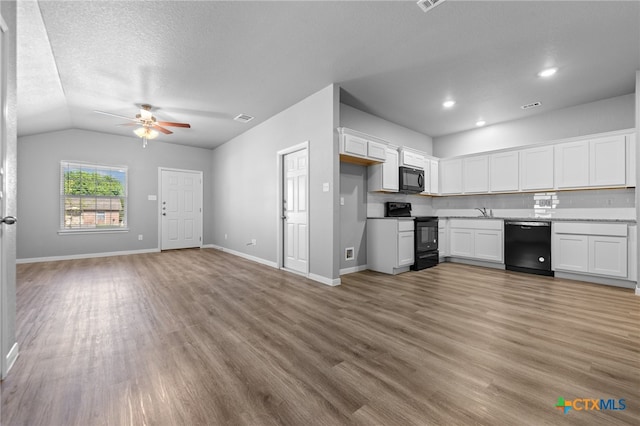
253	242
139	237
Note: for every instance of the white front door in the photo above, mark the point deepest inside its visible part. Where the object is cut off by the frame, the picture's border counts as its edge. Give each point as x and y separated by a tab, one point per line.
181	209
295	210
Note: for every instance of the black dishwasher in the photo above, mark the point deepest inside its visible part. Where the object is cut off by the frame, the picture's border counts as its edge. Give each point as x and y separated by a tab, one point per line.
527	247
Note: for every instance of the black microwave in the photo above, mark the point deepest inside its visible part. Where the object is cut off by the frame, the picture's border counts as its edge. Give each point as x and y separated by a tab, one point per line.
411	180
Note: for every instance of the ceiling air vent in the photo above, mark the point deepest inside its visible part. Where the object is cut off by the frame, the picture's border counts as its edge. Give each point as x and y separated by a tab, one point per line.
243	118
426	5
531	105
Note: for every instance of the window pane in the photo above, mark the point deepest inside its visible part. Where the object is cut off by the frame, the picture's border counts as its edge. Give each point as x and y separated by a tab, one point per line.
93	196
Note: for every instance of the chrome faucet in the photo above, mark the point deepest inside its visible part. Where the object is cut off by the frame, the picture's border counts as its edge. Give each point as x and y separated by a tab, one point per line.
483	211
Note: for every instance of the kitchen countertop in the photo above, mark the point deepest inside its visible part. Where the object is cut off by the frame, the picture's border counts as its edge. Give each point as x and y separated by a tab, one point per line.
549	219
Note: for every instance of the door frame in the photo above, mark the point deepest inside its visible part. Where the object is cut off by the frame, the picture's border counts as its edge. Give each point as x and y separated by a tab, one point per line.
159	203
279	198
7	355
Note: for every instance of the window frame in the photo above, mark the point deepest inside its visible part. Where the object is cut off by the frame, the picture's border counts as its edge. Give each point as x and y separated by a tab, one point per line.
66	165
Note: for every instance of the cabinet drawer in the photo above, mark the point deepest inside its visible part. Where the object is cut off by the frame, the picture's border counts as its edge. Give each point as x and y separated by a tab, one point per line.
590	228
405	225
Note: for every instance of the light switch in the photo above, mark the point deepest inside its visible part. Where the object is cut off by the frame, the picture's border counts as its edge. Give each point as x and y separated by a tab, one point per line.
152	197
325	187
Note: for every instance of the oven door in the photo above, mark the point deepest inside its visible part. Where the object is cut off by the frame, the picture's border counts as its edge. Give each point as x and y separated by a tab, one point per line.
426	236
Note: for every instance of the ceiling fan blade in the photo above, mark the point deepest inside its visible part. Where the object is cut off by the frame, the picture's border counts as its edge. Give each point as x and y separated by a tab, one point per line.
128	124
161	129
170	123
116	115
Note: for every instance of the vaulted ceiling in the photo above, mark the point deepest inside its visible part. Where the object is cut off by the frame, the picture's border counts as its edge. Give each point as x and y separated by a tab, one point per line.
204	62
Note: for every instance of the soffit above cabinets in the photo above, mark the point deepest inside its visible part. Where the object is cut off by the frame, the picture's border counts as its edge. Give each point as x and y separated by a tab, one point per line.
206	62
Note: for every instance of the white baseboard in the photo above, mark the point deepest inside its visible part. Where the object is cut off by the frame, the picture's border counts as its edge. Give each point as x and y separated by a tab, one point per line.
353	269
243	255
324	280
11	359
86	256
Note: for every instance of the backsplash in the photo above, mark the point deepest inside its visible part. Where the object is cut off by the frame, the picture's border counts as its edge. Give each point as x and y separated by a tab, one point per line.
420	205
594	198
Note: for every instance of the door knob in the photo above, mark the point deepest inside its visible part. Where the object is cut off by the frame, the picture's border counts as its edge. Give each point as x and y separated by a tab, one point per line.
9	220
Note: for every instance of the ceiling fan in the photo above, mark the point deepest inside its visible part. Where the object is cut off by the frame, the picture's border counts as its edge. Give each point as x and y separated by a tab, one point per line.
149	126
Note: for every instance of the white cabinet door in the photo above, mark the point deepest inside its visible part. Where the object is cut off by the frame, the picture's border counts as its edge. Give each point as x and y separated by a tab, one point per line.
433	181
475	174
405	249
488	245
504	169
608	256
572	164
570	253
631	160
412	159
536	168
451	176
461	242
608	161
355	145
426	166
376	150
390	173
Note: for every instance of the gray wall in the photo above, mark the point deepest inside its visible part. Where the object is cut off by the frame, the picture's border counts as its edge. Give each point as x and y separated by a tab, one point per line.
595	117
245	182
8	290
353	214
363	122
39	159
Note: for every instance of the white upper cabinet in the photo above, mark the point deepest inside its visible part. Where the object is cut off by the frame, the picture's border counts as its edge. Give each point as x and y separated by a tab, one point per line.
411	158
451	176
385	176
360	148
503	171
536	168
591	163
355	145
426	166
572	164
377	150
607	161
434	175
475	174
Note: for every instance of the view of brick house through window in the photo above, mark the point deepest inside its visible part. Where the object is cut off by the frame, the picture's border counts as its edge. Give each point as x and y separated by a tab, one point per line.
92	197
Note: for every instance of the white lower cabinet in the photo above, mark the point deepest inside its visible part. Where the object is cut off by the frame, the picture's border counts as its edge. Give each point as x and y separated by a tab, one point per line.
571	253
591	248
390	245
480	239
488	245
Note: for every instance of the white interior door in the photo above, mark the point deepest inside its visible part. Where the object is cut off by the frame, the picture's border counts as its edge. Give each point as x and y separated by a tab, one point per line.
181	209
295	210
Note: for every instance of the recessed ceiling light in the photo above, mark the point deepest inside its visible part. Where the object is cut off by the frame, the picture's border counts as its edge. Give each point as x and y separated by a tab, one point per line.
448	104
547	72
480	123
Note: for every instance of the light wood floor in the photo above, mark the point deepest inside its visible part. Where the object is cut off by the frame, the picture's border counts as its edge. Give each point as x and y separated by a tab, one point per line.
202	337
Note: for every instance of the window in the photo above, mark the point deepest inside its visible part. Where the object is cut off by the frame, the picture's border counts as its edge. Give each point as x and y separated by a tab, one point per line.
92	197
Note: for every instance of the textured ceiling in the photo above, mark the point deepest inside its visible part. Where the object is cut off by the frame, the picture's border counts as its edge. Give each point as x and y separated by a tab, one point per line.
204	62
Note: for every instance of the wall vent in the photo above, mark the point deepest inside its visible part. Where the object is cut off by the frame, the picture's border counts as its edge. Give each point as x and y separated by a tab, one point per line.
349	253
531	105
426	5
243	118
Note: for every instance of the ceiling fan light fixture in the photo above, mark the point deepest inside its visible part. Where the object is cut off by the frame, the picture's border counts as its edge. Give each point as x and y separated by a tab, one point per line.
145	132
